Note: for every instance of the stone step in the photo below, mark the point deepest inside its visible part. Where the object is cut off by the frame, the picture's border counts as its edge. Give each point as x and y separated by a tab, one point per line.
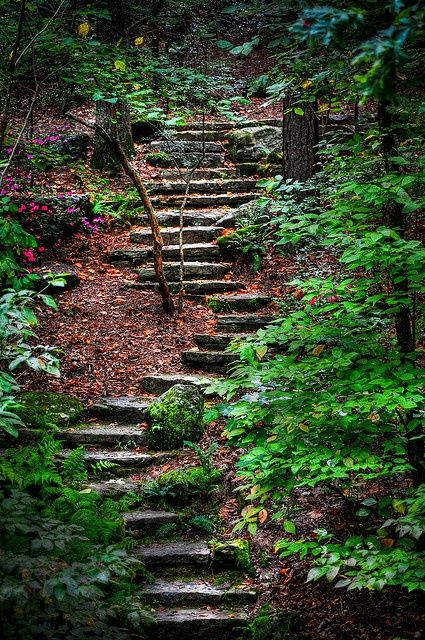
216	341
242	323
123	460
177	593
195	218
158	384
111	434
190	160
122	408
114	487
194	201
148	522
227	125
201	251
185	146
170	236
218	361
192	271
194	290
240	302
202	624
197	135
238	185
173	554
204	173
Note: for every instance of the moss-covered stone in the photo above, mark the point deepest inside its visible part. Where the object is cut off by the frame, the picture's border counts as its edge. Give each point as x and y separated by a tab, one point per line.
252	144
40	409
233	554
175	416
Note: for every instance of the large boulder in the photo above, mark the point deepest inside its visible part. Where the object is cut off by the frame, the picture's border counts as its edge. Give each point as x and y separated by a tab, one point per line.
175	416
44	409
253	144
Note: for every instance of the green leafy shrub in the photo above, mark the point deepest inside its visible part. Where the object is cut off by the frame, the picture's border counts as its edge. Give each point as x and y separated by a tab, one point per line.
45	593
183	485
158	159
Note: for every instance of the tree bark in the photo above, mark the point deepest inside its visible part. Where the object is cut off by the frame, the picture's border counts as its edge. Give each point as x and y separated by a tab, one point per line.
300	139
403	318
116	121
116	148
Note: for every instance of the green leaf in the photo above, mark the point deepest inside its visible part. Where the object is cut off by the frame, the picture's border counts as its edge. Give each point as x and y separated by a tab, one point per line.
289	527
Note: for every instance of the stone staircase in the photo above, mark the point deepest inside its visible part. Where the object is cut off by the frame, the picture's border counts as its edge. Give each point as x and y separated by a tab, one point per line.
191	596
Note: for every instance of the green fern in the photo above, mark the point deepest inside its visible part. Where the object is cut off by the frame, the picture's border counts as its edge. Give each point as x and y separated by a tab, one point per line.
166	530
73	466
202	522
102	465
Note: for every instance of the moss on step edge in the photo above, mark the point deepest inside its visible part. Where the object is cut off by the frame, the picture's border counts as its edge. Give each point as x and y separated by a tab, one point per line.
232	553
174	417
42	409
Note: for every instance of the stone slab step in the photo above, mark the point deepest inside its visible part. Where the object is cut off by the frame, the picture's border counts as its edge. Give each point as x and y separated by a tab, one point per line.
192	271
185	146
227	125
114	487
192	252
194	200
197	135
195	289
241	323
124	408
121	459
215	341
177	593
239	185
170	236
190	160
218	361
202	624
111	434
192	218
240	302
148	522
161	382
204	173
173	554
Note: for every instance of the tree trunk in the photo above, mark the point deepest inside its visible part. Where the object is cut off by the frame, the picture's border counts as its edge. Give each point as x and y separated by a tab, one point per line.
403	319
300	139
116	121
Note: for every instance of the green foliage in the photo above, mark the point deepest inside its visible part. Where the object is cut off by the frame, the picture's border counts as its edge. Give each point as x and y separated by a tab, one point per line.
45	593
387	557
233	553
254	232
202	522
73	465
269	624
204	456
183	485
158	159
338	402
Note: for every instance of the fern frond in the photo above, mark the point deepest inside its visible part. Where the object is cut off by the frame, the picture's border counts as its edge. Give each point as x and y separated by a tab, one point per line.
73	466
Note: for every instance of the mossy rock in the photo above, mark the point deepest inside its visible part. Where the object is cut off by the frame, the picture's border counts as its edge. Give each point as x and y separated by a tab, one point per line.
174	417
233	554
41	409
